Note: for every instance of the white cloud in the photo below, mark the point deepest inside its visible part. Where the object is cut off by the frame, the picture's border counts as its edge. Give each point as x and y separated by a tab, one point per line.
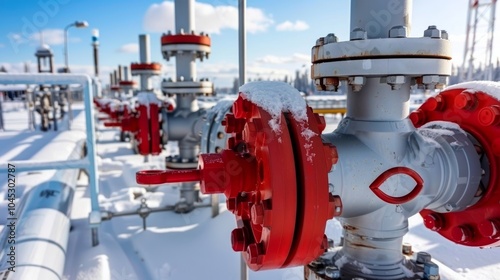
129	48
298	25
50	37
295	58
208	18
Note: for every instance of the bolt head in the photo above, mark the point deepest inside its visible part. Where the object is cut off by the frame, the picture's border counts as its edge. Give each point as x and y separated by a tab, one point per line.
357	80
444	34
432	32
331	38
320	41
489	116
396	80
431	270
399	31
423	257
332	272
358	34
257	213
238	239
465	101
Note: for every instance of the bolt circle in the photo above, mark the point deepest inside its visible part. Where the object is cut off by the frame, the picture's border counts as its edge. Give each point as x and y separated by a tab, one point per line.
489	115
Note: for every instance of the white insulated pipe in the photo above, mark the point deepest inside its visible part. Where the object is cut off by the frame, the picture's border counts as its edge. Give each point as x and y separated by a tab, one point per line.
43	223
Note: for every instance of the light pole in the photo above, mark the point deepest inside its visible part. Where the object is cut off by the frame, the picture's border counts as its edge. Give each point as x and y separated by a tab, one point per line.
77	24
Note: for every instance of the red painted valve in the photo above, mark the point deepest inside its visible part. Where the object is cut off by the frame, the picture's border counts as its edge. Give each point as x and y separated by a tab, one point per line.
276	185
477	112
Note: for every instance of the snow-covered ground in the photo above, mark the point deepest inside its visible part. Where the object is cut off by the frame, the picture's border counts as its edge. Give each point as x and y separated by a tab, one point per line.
179	246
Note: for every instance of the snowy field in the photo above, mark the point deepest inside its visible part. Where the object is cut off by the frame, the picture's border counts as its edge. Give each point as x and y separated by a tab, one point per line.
177	246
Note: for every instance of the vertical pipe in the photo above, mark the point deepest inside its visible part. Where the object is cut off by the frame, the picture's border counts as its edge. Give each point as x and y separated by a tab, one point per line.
126	76
242	79
185	62
111	80
184	22
115	77
145	57
145	54
120	73
184	19
377	17
96	60
242	42
95	44
91	156
1	114
54	110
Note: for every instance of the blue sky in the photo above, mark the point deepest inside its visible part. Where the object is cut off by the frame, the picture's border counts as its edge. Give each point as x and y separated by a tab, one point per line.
280	38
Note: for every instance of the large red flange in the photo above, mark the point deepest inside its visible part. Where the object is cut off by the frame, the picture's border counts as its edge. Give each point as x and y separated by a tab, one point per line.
478	113
174	39
275	182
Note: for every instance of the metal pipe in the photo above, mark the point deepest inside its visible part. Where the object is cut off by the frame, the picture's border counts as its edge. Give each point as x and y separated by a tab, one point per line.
242	79
242	41
377	17
42	218
1	114
144	48
145	57
126	75
120	73
57	79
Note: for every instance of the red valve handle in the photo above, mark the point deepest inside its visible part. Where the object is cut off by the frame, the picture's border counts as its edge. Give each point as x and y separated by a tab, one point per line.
155	177
395	171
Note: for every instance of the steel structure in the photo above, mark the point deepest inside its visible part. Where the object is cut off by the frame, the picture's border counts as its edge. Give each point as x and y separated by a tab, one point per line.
378	168
480	20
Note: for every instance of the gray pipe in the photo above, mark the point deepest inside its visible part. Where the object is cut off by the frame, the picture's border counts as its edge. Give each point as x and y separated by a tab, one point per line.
377	17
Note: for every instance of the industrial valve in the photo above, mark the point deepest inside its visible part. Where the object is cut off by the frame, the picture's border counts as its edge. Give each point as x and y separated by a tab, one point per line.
283	179
267	206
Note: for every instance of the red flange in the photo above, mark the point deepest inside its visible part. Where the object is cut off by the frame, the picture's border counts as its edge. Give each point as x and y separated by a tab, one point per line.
145	66
147	134
127	83
275	182
185	39
477	113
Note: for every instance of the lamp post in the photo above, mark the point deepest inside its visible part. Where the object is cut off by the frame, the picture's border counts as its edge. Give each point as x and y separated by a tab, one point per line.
77	24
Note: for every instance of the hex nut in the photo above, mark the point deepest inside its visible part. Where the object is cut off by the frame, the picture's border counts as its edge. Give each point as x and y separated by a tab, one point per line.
432	32
358	34
398	31
331	38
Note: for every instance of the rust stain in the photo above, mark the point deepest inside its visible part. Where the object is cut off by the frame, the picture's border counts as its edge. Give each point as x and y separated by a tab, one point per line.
363	246
349	227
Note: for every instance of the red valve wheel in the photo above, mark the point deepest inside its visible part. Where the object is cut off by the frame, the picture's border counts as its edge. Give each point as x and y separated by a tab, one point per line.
476	112
375	186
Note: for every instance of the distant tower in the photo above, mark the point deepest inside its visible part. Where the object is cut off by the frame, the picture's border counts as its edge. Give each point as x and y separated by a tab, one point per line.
95	46
480	20
45	59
